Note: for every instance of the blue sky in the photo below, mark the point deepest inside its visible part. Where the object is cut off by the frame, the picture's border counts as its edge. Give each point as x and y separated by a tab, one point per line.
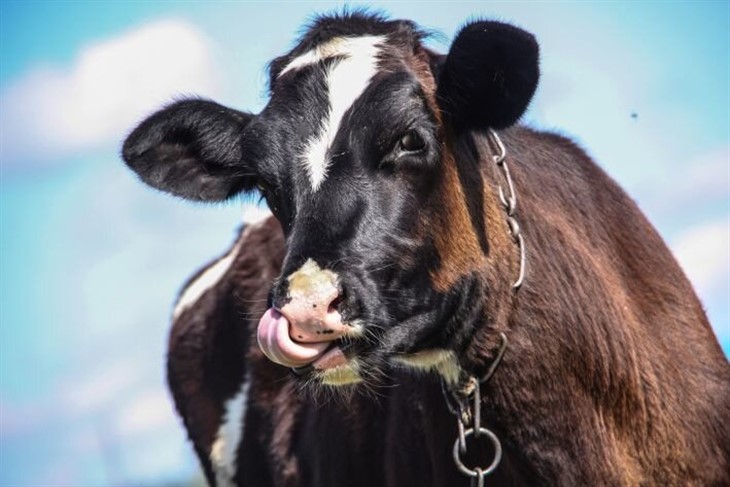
90	260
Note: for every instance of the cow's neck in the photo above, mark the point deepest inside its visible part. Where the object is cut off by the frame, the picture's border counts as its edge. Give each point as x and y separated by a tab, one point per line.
479	222
501	277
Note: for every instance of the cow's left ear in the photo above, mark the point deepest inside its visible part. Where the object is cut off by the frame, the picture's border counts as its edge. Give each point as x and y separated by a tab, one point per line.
193	149
489	76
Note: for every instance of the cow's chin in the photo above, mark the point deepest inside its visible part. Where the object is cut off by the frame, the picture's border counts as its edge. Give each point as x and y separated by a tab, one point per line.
360	374
348	368
374	368
342	366
341	375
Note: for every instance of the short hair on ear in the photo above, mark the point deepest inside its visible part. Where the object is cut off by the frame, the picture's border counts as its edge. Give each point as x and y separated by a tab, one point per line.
489	76
191	149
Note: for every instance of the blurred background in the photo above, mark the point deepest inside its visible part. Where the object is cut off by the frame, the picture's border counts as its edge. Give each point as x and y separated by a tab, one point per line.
91	260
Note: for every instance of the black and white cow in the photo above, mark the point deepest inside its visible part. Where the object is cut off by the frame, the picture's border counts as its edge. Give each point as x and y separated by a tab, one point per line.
396	248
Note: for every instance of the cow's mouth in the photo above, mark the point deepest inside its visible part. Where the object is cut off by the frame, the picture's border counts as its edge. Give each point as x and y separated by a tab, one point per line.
330	361
351	354
335	367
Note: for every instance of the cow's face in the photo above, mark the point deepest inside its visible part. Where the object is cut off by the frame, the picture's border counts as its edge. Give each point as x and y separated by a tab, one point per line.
355	155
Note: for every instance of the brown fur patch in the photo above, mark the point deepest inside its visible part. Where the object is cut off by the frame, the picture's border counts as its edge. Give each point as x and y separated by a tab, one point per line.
453	235
420	66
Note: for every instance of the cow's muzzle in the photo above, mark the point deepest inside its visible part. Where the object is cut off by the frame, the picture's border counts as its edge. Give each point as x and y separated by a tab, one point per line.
303	331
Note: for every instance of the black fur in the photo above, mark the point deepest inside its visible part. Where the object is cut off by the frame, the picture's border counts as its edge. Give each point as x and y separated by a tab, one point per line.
489	76
191	149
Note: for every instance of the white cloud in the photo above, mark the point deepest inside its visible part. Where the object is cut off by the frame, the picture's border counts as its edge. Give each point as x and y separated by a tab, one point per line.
710	173
51	112
706	177
17	420
704	253
150	411
698	184
102	386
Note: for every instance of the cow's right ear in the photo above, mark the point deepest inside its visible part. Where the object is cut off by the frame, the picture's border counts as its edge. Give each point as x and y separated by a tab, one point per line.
192	149
489	76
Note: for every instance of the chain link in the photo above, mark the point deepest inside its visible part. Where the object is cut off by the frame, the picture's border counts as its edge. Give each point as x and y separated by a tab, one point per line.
509	202
477	473
457	399
479	480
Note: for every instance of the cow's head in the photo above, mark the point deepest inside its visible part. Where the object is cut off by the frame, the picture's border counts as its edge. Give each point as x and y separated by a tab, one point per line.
363	155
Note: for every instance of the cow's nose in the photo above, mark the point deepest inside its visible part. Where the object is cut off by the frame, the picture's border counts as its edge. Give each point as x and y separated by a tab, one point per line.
312	307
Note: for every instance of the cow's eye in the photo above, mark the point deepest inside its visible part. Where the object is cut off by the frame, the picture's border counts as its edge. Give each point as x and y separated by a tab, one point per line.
269	195
265	189
411	142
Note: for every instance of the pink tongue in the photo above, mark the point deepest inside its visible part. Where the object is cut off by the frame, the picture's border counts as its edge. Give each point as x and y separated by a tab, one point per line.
277	345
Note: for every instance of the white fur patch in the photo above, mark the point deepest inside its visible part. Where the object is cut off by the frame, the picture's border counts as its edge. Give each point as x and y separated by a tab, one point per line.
228	438
252	217
341	375
205	281
442	361
338	46
347	79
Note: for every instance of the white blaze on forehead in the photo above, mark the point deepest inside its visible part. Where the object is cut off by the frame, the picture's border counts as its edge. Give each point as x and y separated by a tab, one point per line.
346	80
338	46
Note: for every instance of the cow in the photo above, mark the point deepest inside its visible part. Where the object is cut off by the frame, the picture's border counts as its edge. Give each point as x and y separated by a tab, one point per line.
442	293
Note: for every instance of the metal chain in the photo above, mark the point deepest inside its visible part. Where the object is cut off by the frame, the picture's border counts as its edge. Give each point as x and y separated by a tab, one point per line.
457	400
509	203
477	430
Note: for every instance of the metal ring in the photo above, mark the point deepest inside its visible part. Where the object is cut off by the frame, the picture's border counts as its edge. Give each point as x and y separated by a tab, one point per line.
497	454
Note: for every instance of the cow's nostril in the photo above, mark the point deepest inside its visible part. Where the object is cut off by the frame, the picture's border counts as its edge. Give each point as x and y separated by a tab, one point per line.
335	304
315	317
311	308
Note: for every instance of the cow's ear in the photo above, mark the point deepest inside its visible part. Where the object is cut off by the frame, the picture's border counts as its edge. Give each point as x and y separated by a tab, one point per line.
489	76
192	149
